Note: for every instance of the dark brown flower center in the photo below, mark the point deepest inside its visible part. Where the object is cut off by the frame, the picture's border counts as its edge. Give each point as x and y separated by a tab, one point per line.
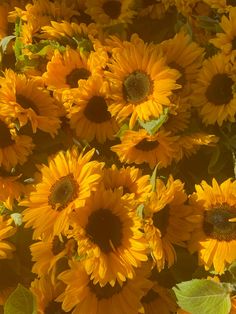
96	110
161	219
231	2
58	245
219	92
104	229
182	79
5	135
136	87
62	192
146	145
217	225
112	9
105	292
54	307
150	296
75	75
234	43
27	103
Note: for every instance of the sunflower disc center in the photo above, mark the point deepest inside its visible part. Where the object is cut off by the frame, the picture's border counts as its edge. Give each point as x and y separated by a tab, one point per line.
62	192
219	92
26	103
5	136
136	87
54	307
231	2
104	229
105	292
96	110
217	225
146	146
150	296
112	9
161	219
75	75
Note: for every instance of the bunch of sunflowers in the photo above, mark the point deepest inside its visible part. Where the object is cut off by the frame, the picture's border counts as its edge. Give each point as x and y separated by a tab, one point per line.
118	156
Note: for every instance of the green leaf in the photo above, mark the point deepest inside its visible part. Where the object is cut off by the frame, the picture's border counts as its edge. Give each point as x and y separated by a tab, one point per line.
20	301
232	269
5	41
203	297
17	217
122	130
153	178
154	125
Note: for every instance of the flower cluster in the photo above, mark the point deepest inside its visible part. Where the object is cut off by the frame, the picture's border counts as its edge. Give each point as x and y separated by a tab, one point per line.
117	151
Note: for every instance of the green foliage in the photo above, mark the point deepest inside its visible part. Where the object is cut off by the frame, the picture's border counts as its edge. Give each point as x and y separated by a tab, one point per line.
17	217
203	296
5	42
122	130
153	178
154	125
20	301
139	210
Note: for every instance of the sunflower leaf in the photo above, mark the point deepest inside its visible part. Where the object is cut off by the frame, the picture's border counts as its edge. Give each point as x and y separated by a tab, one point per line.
20	301
139	210
154	125
17	217
122	130
5	42
203	296
153	178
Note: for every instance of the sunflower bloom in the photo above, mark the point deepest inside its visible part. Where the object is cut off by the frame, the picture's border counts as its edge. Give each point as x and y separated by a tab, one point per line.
214	236
109	239
92	298
65	184
6	231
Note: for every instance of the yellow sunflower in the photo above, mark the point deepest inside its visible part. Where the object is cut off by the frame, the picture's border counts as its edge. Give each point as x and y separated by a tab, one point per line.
192	7
165	221
134	184
46	254
157	299
69	69
214	236
214	93
226	41
11	190
141	82
184	55
110	12
93	299
64	32
155	9
14	149
6	231
140	147
46	291
109	237
221	5
89	115
64	185
25	100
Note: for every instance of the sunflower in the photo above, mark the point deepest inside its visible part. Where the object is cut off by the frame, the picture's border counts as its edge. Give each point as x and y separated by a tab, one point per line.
69	69
140	147
92	298
221	5
14	149
192	7
110	12
185	56
65	184
109	237
157	298
46	254
25	100
11	190
155	9
189	144
214	236
226	40
165	221
141	82
65	32
46	291
6	231
134	184
89	115
214	91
